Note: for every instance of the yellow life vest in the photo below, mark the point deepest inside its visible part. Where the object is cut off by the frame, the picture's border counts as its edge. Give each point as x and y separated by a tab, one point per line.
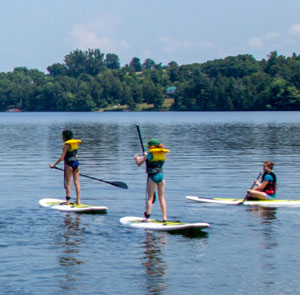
158	154
73	143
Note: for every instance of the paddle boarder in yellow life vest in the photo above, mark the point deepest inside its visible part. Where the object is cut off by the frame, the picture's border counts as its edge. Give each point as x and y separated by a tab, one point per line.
71	164
155	159
266	188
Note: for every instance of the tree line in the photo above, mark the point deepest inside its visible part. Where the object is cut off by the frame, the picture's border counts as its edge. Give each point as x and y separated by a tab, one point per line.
90	80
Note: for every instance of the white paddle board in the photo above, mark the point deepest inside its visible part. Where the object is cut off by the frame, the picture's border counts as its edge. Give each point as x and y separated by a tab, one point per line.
59	205
262	203
139	222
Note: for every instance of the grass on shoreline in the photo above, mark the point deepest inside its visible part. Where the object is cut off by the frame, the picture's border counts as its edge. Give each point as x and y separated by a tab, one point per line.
139	107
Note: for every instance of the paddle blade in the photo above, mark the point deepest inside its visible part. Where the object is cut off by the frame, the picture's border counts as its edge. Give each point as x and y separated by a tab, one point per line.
119	184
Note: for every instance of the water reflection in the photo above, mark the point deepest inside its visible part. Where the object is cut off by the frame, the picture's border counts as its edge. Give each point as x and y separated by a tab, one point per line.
155	266
265	215
72	237
268	243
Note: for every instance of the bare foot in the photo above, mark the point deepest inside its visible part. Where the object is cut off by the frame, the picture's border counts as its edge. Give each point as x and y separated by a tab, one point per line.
65	203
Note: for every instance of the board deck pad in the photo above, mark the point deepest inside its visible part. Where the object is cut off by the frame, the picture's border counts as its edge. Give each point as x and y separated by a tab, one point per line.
152	224
58	204
261	203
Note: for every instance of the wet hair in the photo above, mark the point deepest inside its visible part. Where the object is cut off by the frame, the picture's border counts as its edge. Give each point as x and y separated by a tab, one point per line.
269	164
67	134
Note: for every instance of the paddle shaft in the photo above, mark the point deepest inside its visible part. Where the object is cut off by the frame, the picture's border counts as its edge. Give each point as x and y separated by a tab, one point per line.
254	182
140	137
143	149
114	183
252	186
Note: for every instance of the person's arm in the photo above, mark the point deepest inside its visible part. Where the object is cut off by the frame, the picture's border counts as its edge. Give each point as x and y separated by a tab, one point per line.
66	147
140	160
261	187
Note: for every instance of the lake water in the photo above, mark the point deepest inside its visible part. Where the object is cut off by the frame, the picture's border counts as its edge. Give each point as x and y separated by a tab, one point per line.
245	251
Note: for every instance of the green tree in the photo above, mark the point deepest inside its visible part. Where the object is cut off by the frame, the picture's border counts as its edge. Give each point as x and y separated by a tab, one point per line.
148	64
111	87
293	98
57	69
174	74
112	61
83	100
89	62
135	64
7	96
153	94
127	98
232	66
135	86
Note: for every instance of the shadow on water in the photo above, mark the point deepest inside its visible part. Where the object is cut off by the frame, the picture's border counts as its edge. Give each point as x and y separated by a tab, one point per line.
192	233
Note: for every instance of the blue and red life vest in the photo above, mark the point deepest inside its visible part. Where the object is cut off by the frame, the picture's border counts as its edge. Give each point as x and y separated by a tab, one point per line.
271	187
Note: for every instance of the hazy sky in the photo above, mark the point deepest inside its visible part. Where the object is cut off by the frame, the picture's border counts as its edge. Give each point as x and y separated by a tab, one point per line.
38	33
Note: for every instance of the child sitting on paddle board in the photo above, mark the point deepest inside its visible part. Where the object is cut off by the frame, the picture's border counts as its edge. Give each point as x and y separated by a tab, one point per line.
155	159
71	164
266	189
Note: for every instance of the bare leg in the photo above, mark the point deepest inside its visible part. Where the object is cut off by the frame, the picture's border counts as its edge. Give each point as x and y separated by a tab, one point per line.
151	190
257	195
162	201
77	185
68	183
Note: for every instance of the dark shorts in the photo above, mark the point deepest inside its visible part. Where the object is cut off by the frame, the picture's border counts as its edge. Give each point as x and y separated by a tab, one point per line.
73	164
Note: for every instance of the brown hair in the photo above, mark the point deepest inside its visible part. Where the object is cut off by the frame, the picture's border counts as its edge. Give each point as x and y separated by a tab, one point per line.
160	146
269	164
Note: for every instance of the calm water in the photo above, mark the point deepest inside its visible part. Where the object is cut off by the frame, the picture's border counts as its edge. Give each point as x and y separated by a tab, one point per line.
246	251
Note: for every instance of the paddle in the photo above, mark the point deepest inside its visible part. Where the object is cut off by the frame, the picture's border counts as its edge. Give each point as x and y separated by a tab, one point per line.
252	186
114	183
143	149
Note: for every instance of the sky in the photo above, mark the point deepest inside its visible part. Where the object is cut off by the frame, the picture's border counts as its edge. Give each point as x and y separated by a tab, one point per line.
38	33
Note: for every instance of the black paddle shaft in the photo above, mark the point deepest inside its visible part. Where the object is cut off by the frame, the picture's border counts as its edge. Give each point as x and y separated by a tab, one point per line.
143	149
140	137
141	142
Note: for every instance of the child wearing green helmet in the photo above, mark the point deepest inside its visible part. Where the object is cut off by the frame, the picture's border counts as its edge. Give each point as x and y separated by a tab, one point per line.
154	159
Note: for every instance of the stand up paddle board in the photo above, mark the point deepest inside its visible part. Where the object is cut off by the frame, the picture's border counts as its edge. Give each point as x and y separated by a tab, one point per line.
262	203
59	205
139	222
